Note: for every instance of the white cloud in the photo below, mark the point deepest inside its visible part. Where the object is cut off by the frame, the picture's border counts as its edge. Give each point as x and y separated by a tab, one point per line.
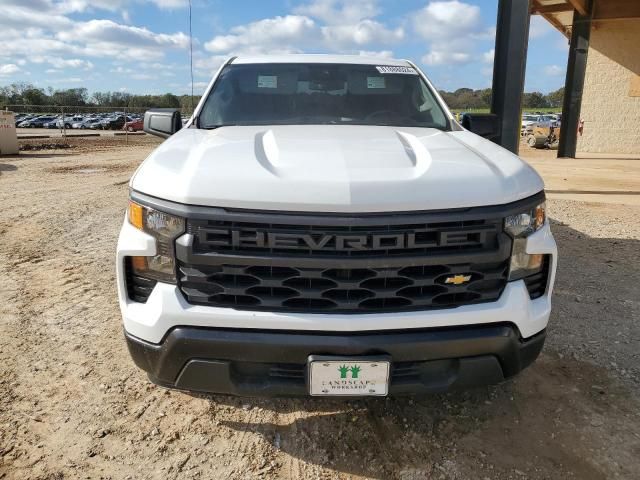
282	33
38	14
208	65
442	20
67	80
378	53
539	27
62	63
297	33
487	57
365	32
121	70
340	12
142	76
171	4
41	28
554	70
70	6
453	29
440	57
9	69
109	32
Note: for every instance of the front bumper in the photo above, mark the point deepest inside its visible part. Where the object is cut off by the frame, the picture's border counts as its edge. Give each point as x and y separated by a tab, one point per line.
273	363
167	308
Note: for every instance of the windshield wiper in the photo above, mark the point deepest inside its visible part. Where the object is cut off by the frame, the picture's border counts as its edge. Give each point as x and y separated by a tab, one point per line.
213	127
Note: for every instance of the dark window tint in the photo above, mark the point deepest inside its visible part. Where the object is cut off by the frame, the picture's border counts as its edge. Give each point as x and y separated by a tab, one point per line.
290	94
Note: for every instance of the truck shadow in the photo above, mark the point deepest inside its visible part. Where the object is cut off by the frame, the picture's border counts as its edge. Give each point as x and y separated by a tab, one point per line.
528	423
7	167
544	423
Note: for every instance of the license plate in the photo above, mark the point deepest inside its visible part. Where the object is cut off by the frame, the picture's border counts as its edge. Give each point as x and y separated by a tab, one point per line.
348	377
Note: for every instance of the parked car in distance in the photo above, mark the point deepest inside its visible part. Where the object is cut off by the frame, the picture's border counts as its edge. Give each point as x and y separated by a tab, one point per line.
134	125
93	124
53	123
36	122
68	121
115	122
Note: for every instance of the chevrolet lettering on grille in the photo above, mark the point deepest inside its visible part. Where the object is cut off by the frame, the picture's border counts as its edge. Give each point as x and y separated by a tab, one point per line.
338	242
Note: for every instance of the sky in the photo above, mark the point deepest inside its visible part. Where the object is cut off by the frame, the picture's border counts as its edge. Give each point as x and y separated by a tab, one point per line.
142	46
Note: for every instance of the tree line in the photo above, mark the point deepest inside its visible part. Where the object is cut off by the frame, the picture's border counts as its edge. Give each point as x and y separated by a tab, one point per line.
467	98
28	94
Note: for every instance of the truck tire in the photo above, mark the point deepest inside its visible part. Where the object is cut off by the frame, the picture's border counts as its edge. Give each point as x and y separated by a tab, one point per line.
536	142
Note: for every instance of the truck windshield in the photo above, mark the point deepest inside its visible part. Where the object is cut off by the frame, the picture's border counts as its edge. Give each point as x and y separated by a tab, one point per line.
321	94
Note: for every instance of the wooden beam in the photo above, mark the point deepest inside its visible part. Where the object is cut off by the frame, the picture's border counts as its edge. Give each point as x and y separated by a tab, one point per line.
555	8
535	4
556	23
582	6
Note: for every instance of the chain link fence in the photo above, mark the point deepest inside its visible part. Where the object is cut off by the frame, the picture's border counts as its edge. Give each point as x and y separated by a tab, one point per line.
75	121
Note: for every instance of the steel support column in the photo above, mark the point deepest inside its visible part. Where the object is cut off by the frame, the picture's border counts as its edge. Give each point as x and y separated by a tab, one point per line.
574	83
512	35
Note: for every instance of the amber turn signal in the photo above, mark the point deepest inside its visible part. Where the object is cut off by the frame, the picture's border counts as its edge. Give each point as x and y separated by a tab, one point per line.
139	264
135	215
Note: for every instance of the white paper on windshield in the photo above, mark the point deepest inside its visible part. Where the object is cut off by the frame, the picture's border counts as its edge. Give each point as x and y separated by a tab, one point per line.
396	69
267	81
375	82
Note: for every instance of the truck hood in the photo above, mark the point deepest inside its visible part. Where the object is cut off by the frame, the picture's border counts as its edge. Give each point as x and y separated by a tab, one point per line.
334	168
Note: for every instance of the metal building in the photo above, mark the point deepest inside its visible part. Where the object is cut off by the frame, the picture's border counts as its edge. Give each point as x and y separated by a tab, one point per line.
602	86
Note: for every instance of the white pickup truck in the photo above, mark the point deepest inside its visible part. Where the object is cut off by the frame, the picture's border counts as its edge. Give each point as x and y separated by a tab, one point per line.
323	226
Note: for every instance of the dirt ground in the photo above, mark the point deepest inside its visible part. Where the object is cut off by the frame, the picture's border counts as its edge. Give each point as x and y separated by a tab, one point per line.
72	404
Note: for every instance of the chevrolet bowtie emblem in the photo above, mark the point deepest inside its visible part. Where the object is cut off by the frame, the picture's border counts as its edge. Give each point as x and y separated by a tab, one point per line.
458	279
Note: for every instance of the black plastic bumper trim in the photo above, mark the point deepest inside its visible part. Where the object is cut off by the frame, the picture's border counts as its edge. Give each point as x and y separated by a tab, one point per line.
272	363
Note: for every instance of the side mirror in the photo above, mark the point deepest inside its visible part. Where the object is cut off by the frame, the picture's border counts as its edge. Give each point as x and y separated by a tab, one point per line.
162	122
486	125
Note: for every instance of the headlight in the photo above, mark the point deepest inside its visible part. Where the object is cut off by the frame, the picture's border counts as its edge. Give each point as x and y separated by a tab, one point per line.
524	224
519	227
164	228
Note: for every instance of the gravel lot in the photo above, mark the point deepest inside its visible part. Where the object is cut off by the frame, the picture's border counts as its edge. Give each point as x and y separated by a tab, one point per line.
72	405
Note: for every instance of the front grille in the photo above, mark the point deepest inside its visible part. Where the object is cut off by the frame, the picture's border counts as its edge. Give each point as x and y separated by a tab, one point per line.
340	264
341	290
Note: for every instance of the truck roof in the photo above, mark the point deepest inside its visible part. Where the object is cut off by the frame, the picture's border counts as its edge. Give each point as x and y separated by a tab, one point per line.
320	58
